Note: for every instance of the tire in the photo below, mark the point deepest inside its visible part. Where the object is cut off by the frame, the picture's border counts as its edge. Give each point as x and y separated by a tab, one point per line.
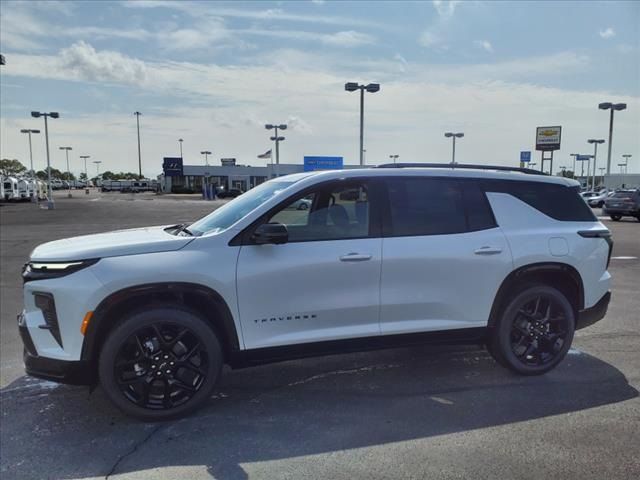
615	218
160	363
523	340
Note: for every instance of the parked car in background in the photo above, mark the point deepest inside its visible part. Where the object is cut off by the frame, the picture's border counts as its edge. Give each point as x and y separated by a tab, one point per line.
598	199
623	203
231	193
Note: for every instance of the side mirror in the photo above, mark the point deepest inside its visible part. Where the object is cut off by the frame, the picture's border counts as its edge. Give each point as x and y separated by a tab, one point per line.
275	233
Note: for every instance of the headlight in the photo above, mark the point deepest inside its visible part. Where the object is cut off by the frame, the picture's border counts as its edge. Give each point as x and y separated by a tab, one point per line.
46	270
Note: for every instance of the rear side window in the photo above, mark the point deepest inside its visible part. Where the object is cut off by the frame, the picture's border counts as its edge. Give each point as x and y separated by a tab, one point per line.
556	201
435	206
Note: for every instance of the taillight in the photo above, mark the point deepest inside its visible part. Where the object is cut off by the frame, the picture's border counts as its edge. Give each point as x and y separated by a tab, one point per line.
600	233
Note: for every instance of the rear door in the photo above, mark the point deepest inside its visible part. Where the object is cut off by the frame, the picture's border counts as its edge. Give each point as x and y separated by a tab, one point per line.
443	256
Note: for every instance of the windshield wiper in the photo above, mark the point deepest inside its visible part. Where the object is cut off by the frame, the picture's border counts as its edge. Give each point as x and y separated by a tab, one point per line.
182	227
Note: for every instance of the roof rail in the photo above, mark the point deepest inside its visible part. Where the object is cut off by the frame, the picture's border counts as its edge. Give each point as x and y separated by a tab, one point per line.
466	166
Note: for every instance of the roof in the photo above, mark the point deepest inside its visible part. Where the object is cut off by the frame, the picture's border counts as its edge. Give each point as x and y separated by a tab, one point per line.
433	172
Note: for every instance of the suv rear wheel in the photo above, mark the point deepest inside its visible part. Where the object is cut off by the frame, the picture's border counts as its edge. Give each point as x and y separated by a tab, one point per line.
160	363
534	331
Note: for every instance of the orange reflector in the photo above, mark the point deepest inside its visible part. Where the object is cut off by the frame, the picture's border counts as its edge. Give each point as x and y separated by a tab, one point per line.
85	322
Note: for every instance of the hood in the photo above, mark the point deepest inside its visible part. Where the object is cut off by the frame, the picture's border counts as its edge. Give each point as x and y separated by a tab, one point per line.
111	244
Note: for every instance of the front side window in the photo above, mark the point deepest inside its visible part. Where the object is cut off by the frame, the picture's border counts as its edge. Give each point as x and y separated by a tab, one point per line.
333	212
425	206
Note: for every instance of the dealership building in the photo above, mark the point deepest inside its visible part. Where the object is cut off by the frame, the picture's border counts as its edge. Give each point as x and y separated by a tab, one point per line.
177	177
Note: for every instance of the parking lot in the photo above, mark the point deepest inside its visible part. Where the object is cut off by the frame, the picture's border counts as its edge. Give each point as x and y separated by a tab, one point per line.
421	412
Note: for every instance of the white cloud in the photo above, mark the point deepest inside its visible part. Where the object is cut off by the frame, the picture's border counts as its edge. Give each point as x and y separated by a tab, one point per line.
445	9
607	33
83	62
429	39
484	44
348	39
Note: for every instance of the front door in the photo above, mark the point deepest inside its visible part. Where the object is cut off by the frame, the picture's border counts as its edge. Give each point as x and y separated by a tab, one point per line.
324	283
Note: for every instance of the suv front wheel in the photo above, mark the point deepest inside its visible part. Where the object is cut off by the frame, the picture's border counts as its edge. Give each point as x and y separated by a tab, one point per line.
534	331
160	363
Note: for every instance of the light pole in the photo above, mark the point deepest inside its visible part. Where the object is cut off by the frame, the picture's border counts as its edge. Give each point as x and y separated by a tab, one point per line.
66	149
97	162
206	154
277	139
50	204
86	175
30	131
574	155
371	88
137	114
626	157
613	107
454	136
595	143
180	141
394	158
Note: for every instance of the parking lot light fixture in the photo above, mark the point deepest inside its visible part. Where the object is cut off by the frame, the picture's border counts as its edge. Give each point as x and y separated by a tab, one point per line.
84	157
595	143
276	138
371	88
30	131
454	136
66	149
206	154
613	107
137	114
50	204
97	162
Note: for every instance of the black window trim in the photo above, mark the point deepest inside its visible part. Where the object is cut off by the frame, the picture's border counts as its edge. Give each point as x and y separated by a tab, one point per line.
375	218
387	223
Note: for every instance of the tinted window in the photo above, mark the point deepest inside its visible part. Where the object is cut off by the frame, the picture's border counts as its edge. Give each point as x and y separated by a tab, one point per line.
556	201
335	212
425	206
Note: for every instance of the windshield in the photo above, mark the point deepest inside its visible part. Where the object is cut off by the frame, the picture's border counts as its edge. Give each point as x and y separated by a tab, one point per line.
230	213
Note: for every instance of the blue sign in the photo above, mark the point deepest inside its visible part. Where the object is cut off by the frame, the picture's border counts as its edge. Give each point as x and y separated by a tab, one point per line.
172	166
525	156
312	164
583	158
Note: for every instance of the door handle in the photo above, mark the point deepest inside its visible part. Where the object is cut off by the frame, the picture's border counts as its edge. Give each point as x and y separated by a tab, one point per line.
488	251
355	257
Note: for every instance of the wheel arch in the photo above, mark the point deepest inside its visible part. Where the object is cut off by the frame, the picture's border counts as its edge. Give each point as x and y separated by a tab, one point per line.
199	298
562	276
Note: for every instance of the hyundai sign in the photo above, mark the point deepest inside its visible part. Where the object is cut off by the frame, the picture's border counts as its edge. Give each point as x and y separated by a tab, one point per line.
312	164
172	166
548	138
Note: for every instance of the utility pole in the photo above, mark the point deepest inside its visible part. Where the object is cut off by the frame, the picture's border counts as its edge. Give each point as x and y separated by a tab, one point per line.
137	114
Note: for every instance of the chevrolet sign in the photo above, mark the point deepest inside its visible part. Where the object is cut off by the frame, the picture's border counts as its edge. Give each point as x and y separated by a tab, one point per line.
548	138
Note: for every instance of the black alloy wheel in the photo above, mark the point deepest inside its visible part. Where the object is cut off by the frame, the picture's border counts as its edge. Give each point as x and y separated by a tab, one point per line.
161	366
160	363
534	331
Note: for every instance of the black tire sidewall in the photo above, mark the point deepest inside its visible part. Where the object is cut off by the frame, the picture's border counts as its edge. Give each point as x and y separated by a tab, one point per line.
140	319
503	330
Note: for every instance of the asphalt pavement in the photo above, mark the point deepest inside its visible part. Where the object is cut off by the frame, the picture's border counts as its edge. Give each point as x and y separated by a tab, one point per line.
421	412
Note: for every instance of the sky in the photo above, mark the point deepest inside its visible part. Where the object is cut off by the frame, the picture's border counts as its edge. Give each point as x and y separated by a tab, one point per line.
214	73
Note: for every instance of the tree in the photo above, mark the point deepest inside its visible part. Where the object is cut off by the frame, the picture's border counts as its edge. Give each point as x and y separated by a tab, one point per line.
11	167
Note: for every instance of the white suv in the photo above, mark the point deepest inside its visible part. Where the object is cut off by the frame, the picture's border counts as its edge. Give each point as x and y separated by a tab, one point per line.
381	257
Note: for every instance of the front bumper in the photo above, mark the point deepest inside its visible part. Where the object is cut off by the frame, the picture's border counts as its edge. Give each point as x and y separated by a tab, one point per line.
72	372
591	315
